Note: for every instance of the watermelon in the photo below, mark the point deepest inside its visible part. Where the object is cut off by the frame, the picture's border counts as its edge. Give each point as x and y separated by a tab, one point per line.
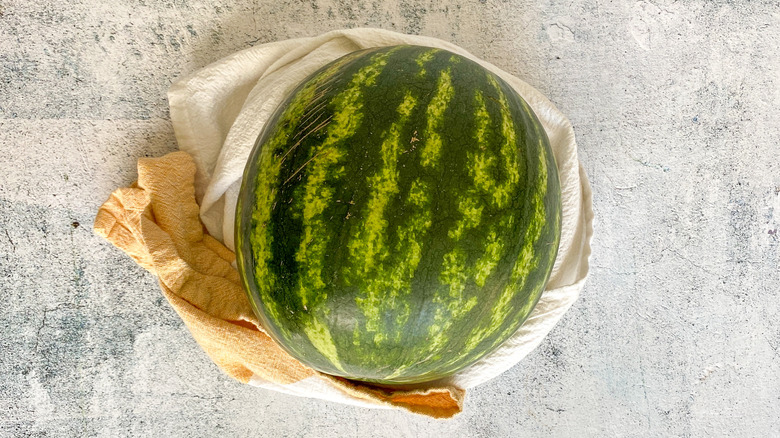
399	216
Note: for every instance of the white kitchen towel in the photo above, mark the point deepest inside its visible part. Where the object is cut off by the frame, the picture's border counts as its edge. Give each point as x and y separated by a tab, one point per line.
219	111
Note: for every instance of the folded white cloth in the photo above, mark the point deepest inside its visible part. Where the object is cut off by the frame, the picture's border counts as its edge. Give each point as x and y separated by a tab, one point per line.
219	111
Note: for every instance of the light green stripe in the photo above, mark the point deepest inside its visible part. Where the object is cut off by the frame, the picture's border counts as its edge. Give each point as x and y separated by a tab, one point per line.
423	59
452	306
540	219
386	285
265	191
322	167
509	147
435	119
409	245
368	249
455	274
482	171
470	209
525	263
488	262
483	161
319	335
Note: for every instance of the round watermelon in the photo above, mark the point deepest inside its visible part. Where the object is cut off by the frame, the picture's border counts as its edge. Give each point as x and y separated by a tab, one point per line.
399	216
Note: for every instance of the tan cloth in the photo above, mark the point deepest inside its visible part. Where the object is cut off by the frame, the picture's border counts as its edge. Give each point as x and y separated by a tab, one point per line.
156	223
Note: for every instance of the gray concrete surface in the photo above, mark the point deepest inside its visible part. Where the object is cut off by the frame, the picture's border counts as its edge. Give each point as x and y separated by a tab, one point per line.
676	107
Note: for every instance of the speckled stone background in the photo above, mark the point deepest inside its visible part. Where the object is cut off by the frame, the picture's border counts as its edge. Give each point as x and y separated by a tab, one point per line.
676	107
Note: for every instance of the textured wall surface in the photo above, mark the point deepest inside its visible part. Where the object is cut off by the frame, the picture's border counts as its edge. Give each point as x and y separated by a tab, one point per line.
676	107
